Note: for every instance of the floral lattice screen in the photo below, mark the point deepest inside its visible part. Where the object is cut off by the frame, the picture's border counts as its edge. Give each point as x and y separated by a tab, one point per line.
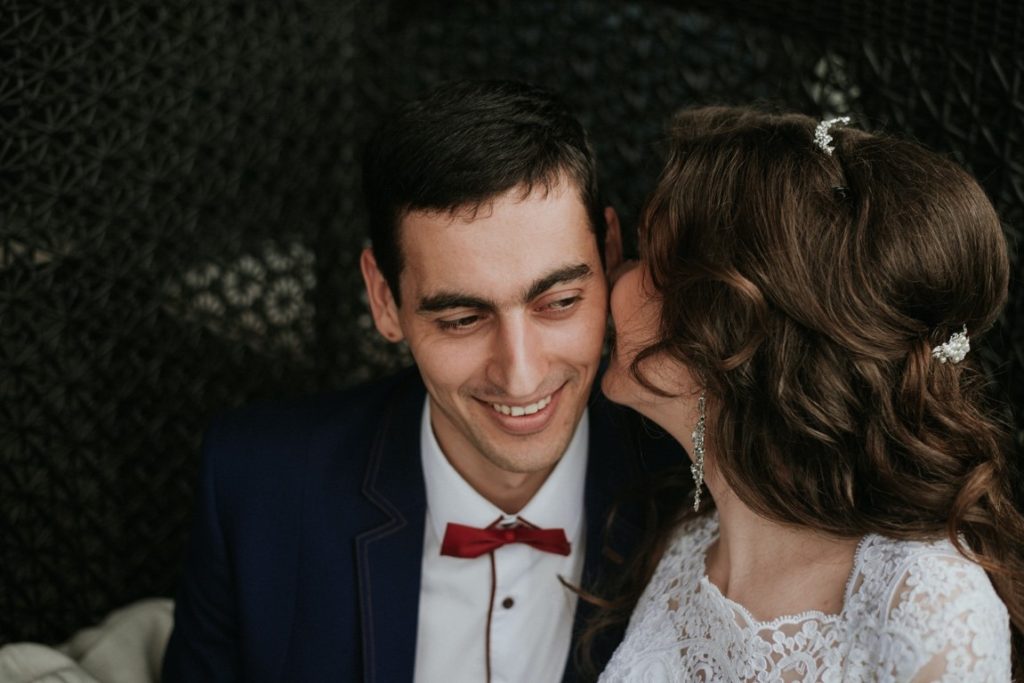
180	213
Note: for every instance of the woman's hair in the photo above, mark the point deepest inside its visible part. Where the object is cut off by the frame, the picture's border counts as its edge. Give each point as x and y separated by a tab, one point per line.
807	291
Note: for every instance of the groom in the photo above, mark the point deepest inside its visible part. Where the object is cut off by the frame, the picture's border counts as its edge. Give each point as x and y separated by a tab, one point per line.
418	528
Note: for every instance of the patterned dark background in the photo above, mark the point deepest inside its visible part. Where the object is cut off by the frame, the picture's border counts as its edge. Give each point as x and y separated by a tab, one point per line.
180	212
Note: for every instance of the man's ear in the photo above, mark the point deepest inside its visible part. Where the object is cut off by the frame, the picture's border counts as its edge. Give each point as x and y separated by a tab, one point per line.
612	241
382	302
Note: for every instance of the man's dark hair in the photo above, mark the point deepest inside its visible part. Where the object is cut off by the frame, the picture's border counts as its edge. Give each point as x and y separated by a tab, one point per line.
463	144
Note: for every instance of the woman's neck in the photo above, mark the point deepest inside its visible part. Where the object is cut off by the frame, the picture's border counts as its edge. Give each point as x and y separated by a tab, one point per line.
773	569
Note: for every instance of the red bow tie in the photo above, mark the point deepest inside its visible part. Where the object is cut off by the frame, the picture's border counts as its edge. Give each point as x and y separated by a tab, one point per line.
467	541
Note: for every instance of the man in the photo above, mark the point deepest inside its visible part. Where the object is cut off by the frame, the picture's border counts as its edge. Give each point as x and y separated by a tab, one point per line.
418	528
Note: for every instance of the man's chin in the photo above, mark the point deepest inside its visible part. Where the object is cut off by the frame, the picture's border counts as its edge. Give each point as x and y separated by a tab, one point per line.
530	462
531	453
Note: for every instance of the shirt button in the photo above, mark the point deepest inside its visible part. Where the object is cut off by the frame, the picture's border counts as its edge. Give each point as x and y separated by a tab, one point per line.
507	603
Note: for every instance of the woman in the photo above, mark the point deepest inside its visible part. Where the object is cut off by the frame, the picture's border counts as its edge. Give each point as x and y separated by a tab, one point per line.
799	321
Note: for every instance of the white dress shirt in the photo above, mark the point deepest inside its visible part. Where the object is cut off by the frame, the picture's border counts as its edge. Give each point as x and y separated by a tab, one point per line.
531	616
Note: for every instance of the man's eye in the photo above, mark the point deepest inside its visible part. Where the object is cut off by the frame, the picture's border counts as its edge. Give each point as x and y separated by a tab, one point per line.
463	323
562	304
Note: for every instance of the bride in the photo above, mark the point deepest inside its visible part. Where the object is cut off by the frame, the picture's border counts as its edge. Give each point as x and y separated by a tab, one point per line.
800	321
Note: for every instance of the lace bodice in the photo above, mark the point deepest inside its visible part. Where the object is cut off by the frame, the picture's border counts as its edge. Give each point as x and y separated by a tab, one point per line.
913	611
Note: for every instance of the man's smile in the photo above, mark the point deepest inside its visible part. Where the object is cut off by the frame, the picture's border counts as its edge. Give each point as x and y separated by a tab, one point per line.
524	418
520	410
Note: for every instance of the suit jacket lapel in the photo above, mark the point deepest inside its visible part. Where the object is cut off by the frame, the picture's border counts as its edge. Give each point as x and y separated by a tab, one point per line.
389	555
611	466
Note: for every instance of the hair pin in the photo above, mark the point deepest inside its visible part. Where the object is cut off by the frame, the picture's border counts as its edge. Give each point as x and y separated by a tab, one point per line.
954	350
821	135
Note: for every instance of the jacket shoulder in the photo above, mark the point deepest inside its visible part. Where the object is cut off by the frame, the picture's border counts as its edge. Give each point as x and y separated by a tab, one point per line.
273	433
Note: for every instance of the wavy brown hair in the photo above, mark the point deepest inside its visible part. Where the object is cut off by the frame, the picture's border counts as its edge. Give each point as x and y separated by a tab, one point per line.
807	291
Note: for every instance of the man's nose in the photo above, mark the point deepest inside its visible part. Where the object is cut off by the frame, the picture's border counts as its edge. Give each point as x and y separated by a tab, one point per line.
519	363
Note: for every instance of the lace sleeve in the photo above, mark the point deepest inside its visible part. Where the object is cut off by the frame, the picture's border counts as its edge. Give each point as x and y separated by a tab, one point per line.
955	626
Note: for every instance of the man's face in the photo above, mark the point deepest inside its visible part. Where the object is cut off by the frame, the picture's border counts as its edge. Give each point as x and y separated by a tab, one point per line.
504	312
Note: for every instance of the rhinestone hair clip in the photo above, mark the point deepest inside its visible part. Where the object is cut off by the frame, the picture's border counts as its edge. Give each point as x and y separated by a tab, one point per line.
954	350
821	136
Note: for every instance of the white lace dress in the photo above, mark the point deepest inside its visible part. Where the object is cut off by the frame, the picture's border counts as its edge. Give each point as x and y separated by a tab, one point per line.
912	612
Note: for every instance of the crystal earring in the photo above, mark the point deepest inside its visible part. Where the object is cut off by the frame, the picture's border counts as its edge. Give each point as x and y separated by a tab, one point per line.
697	468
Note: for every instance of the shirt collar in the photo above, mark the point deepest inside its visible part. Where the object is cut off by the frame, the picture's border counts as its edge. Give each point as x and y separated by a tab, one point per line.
558	502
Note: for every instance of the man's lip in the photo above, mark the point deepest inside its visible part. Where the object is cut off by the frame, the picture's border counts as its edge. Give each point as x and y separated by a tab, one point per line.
522	409
525	424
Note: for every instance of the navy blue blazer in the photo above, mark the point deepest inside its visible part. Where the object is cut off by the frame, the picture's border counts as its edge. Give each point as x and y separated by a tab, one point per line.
305	556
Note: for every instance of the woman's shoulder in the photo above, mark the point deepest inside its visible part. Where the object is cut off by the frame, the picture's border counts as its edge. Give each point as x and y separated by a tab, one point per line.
914	570
932	603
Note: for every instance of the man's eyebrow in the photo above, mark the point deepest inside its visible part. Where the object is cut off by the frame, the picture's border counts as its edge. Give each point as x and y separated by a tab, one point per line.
580	271
443	301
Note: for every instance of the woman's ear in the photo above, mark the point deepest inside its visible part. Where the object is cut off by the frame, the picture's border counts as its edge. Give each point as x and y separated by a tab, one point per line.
382	302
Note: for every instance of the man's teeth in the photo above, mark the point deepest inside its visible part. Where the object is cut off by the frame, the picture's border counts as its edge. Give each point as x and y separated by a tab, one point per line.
519	411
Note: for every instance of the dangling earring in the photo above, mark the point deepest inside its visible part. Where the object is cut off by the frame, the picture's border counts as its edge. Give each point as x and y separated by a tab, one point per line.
697	468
